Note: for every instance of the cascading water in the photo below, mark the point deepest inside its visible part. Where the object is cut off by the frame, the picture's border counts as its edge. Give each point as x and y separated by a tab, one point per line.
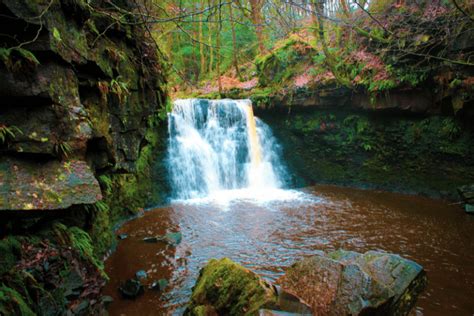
218	145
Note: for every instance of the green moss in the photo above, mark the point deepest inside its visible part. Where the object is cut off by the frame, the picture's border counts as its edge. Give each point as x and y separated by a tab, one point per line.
289	58
229	289
431	155
17	59
10	248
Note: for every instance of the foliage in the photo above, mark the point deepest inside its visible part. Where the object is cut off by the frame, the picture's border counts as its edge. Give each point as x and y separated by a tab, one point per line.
17	59
79	240
62	149
119	88
106	184
8	133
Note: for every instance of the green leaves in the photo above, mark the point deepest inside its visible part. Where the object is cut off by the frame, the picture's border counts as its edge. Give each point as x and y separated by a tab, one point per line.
57	35
8	133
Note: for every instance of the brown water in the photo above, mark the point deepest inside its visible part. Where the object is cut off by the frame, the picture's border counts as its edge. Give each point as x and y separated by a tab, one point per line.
268	237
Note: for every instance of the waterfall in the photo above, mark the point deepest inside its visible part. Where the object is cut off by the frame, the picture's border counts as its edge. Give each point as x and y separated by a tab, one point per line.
219	145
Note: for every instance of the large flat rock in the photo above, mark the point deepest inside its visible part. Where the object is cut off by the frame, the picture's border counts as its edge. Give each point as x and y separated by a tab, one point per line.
350	283
30	185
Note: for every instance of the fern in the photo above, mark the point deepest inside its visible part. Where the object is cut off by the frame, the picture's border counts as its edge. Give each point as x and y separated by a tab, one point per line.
99	206
120	88
106	183
62	149
8	133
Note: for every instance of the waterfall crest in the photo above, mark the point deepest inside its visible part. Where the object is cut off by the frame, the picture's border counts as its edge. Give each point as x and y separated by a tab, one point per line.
219	145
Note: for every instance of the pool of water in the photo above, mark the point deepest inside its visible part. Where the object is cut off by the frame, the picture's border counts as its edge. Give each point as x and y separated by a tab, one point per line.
268	234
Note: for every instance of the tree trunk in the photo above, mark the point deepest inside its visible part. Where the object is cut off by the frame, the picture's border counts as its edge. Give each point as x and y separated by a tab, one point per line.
201	42
211	50
318	11
235	51
257	20
218	47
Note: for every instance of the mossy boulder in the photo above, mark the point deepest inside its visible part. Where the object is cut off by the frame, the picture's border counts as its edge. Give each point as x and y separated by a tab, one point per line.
350	283
226	288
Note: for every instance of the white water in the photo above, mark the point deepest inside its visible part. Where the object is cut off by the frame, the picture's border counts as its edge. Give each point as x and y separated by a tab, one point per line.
219	151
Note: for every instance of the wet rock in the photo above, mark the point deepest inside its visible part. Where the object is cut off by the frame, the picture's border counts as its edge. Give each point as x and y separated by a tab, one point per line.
150	239
173	239
141	274
122	236
350	283
467	193
469	208
106	300
226	288
131	288
159	285
289	304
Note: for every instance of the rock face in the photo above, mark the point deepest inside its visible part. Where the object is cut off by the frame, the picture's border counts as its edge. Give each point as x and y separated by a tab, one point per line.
28	185
350	283
82	93
80	111
429	155
226	288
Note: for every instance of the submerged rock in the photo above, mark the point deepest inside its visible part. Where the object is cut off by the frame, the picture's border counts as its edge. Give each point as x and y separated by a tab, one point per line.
172	239
122	236
131	288
150	239
159	285
466	193
469	208
141	275
226	288
350	283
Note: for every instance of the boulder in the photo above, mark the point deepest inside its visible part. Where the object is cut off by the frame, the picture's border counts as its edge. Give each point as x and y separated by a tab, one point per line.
350	283
226	288
466	192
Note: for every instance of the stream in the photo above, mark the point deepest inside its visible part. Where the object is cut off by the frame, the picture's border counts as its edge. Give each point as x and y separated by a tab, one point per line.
229	201
268	236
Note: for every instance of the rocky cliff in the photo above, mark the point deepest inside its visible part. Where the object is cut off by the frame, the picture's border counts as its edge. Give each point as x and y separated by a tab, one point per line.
82	88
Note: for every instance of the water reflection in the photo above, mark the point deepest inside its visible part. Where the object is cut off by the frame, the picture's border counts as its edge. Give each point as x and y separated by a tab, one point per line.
270	236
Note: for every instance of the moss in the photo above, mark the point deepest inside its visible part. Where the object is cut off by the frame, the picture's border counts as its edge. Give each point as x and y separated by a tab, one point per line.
431	155
229	289
290	57
101	230
18	59
10	248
